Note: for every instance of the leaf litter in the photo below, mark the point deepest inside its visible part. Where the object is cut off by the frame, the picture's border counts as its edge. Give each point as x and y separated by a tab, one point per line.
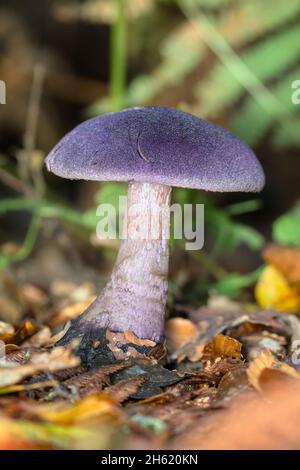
128	392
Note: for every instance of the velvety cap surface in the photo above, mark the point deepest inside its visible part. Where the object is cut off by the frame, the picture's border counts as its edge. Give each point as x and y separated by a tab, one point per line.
157	145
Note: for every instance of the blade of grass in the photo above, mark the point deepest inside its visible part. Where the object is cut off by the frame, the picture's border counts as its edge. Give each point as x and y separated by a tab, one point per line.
118	57
244	207
227	55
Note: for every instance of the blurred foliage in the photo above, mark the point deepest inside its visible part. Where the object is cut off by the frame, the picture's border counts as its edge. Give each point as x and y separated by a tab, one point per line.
229	61
256	47
233	284
286	229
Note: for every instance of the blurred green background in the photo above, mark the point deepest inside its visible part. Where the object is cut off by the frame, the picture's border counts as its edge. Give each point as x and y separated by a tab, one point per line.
229	61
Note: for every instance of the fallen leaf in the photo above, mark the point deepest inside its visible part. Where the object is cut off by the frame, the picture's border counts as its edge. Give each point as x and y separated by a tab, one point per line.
26	330
192	351
12	437
6	332
126	345
27	387
156	377
226	347
94	407
233	381
264	362
18	355
70	312
179	331
39	339
130	337
273	291
269	319
59	358
94	381
55	338
214	370
255	343
124	389
24	434
286	260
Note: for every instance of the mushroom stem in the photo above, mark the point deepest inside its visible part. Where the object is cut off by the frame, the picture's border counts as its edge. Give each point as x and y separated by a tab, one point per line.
135	297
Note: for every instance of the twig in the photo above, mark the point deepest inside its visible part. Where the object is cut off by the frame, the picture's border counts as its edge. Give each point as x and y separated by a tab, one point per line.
29	138
14	183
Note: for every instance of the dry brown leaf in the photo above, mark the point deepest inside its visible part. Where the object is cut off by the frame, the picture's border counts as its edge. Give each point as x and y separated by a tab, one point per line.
26	330
179	331
254	343
192	351
226	347
130	337
6	332
91	382
59	358
116	341
16	354
26	387
55	338
41	338
233	381
124	389
286	260
70	312
264	362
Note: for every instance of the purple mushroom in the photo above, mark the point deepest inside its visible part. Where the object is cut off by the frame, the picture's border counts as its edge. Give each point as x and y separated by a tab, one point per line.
152	148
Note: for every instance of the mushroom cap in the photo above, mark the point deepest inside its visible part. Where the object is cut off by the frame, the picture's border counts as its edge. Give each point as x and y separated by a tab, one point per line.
156	144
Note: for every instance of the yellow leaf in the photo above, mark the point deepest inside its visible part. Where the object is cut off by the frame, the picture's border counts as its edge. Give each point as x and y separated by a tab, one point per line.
273	291
23	434
93	407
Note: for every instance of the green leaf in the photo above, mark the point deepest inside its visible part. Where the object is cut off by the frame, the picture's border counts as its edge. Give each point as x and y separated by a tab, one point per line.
109	193
248	235
286	229
228	234
232	284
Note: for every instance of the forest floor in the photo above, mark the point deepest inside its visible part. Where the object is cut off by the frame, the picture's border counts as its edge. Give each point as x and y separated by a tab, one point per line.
227	376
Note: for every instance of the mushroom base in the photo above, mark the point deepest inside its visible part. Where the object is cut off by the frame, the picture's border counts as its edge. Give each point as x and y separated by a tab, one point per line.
135	297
